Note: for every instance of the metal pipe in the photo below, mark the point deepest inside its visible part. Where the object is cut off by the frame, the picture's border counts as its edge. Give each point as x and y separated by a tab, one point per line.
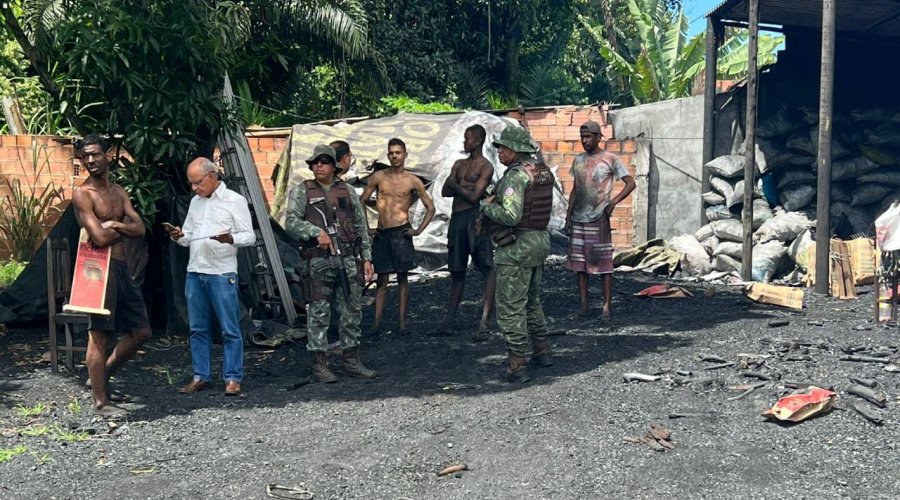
709	109
823	185
750	140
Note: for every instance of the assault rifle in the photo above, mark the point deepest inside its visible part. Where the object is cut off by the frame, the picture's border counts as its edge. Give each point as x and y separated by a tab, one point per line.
335	259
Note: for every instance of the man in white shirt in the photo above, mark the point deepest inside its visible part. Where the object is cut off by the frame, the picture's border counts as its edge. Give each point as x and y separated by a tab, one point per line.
217	224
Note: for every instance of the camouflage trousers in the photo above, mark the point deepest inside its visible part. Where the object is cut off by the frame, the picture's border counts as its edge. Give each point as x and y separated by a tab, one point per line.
519	310
325	286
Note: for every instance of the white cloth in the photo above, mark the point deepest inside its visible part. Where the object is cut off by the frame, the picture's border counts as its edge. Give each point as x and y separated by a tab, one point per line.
223	212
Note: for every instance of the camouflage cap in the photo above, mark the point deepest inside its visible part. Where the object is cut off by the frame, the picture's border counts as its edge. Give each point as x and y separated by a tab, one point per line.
516	139
324	150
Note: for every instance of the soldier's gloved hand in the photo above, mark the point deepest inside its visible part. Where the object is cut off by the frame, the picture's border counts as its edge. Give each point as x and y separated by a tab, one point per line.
324	241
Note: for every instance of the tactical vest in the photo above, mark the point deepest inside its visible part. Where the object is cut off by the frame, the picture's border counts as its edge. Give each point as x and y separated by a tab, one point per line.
538	201
337	204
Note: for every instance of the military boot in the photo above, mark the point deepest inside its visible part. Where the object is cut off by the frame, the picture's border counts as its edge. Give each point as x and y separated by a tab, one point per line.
353	366
541	353
320	371
516	371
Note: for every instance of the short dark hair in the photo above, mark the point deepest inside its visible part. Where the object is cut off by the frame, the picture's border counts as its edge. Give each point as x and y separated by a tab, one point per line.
479	132
397	142
90	140
341	148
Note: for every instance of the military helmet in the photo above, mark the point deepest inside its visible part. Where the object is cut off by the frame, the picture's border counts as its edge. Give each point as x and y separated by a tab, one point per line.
516	139
324	150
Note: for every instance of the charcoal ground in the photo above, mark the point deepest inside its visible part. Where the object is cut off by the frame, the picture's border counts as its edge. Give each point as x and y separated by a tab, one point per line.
439	402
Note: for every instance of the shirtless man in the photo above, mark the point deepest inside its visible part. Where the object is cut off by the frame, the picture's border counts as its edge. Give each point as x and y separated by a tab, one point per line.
103	209
392	248
466	184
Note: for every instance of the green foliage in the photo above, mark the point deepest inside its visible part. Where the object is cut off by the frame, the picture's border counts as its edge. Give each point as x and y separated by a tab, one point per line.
36	430
549	84
30	411
658	63
145	187
9	271
74	406
7	454
733	58
497	101
395	104
27	206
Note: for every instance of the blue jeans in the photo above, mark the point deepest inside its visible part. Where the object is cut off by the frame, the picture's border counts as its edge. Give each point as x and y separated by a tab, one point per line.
208	293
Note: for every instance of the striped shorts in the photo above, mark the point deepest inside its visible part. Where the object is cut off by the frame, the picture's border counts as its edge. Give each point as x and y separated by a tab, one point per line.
590	247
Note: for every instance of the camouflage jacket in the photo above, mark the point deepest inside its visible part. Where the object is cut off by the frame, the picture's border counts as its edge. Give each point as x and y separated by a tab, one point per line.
303	230
531	247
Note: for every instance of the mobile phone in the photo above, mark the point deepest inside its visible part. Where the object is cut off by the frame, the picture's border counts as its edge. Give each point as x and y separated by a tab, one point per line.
169	227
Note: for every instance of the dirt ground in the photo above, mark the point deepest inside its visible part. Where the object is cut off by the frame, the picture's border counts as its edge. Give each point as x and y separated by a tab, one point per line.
439	402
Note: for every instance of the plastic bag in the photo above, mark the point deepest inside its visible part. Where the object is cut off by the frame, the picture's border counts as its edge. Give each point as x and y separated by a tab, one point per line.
794	176
719	212
727	166
726	264
798	251
728	230
797	197
722	187
889	176
710	244
870	115
879	154
887	229
784	227
869	194
704	233
861	219
885	135
799	141
761	213
732	249
713	198
841	191
780	124
766	258
694	259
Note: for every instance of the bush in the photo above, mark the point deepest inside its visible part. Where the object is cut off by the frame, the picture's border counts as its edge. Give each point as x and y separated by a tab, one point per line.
9	271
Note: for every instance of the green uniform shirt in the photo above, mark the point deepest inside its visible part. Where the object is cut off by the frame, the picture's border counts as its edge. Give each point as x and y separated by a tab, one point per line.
298	227
531	246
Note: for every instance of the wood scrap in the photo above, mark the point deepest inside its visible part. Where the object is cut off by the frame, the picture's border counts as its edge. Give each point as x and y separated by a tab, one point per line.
657	437
719	366
710	358
864	359
798	357
866	413
678	415
453	469
869	395
750	389
868	382
806	385
760	375
640	377
684	373
775	323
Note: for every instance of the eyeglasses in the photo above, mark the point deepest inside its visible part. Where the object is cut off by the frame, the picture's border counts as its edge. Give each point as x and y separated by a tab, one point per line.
197	183
324	160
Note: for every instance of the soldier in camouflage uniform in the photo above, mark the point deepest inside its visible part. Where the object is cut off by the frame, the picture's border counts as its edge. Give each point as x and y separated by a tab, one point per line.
331	196
519	213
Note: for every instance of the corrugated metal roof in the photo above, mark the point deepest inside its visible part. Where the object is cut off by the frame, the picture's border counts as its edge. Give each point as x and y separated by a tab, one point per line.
879	18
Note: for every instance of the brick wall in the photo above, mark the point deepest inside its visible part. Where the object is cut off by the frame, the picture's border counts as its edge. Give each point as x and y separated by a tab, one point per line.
556	129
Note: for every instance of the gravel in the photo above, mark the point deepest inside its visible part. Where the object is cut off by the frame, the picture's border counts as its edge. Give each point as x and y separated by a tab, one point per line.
438	402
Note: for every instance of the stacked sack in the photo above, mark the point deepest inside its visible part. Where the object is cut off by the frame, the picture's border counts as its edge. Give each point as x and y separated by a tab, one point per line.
865	181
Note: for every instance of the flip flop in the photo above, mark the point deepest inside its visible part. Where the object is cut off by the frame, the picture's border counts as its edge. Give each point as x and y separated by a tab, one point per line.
118	396
110	411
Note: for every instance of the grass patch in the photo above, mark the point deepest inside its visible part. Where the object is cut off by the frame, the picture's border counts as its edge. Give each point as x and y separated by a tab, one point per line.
30	411
69	437
36	430
7	454
55	432
74	406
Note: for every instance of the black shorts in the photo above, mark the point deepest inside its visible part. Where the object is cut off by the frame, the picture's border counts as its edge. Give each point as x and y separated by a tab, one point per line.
463	242
124	301
392	251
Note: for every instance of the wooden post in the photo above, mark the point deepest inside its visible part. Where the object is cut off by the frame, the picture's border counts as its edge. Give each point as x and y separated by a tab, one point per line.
823	185
709	109
13	116
750	141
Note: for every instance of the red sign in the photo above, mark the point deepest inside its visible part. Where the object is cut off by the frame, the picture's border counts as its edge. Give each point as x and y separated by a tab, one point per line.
89	279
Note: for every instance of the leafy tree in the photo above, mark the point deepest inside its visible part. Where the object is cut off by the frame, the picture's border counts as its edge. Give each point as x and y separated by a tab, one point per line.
658	63
733	60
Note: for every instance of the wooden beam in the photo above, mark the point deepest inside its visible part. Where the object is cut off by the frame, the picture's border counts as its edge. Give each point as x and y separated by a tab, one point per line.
750	140
709	109
823	185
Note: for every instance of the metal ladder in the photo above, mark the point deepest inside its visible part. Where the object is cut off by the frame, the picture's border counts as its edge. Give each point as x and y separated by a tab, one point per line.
265	261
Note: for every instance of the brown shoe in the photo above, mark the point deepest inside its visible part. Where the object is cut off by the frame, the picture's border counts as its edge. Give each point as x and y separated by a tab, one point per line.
196	385
320	371
353	366
541	353
516	369
233	388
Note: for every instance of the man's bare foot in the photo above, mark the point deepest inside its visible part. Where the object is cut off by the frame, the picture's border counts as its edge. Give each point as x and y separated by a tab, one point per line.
108	410
607	313
584	312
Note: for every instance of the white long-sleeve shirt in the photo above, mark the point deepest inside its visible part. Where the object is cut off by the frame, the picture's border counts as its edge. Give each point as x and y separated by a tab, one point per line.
223	212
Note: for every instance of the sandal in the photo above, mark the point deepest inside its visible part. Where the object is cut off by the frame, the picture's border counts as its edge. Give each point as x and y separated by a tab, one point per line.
481	335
